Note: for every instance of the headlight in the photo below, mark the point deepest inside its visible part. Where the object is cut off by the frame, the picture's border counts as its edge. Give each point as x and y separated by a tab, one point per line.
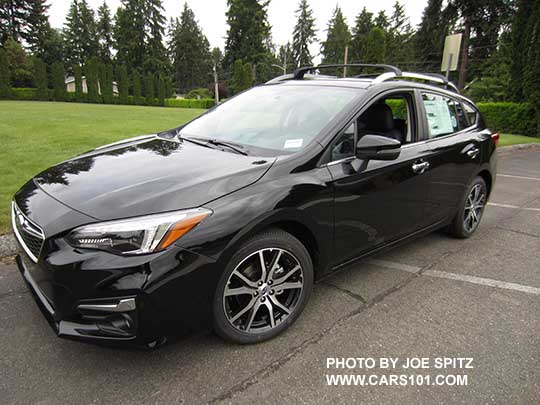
139	235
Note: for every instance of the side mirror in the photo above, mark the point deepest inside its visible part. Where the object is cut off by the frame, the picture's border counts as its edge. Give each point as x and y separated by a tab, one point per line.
376	147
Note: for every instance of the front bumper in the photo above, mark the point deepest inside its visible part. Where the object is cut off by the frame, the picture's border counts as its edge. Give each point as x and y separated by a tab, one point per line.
112	320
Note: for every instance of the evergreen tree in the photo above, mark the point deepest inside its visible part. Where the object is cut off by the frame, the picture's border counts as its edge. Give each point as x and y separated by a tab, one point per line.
156	55
376	46
40	79
137	87
53	48
38	27
363	25
123	84
106	82
5	76
77	73
149	89
247	76
192	60
519	45
161	90
80	33
263	73
237	81
399	45
58	81
104	29
19	65
429	39
382	21
493	84
338	37
248	37
285	58
168	87
92	80
13	19
531	71
303	35
482	20
130	34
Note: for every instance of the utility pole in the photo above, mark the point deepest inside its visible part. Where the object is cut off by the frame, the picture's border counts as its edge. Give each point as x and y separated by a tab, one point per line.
462	78
216	87
285	62
345	60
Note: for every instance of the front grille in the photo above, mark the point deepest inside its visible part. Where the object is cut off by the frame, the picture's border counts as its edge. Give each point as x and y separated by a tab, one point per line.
29	235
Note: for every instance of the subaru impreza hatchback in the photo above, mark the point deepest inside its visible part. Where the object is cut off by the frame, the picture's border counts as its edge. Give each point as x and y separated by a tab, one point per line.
227	221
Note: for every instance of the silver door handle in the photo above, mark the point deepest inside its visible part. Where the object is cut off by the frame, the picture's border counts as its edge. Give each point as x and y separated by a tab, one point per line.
420	167
472	153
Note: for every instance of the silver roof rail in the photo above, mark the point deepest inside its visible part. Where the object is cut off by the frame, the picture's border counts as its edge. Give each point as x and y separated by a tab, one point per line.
428	77
391	73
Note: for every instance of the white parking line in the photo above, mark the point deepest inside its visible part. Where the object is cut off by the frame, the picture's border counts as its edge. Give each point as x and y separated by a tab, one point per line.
483	281
514	207
453	276
518	177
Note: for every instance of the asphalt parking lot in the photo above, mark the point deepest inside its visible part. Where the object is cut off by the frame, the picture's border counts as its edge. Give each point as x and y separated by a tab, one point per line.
435	297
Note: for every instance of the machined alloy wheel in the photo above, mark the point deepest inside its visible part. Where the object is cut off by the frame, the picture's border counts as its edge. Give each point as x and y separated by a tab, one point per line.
470	212
474	208
263	290
264	287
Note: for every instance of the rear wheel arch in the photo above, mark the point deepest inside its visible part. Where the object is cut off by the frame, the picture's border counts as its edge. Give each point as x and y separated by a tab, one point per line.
488	179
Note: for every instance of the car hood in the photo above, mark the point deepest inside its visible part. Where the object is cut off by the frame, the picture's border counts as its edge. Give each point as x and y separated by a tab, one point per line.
148	175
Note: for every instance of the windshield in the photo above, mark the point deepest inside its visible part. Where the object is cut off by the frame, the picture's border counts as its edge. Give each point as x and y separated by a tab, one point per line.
283	118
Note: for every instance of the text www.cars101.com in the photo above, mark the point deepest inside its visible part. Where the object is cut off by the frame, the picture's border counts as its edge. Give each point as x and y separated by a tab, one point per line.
397	379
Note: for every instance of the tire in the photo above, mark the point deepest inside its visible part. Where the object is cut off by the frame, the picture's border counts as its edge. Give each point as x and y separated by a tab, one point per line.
465	223
267	309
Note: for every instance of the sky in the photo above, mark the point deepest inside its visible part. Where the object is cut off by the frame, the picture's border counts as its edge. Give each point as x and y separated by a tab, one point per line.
211	14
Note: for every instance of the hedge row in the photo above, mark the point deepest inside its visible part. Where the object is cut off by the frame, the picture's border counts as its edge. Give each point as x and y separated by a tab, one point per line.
189	102
29	94
513	118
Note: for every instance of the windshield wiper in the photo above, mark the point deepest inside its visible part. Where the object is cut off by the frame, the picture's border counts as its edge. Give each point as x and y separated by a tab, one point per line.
215	142
196	141
230	145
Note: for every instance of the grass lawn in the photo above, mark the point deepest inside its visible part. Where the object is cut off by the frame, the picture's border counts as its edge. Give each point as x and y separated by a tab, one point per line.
508	139
35	135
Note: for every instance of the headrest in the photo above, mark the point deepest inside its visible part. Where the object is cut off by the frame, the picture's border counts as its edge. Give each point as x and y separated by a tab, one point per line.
378	118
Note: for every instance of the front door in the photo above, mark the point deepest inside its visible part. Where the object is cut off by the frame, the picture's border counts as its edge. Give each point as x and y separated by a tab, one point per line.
379	201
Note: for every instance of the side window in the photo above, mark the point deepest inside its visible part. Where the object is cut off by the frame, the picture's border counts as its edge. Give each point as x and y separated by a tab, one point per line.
344	145
471	113
391	116
444	115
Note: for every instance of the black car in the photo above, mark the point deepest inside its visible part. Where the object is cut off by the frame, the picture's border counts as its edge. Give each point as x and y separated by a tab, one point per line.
227	221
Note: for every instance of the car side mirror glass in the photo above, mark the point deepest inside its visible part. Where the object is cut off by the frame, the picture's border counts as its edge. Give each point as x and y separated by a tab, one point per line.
376	147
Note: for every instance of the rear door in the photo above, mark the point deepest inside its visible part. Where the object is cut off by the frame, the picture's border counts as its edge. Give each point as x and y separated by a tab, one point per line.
376	202
453	145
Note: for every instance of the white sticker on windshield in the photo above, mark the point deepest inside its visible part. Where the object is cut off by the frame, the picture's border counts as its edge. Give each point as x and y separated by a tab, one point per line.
293	143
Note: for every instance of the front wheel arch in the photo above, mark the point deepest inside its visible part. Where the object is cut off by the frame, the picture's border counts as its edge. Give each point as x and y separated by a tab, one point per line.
293	222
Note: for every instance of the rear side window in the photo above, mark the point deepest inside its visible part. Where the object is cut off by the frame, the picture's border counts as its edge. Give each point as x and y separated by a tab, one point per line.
471	113
444	115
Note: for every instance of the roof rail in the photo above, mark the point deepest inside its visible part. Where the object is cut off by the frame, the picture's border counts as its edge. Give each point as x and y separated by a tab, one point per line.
428	77
391	73
299	73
